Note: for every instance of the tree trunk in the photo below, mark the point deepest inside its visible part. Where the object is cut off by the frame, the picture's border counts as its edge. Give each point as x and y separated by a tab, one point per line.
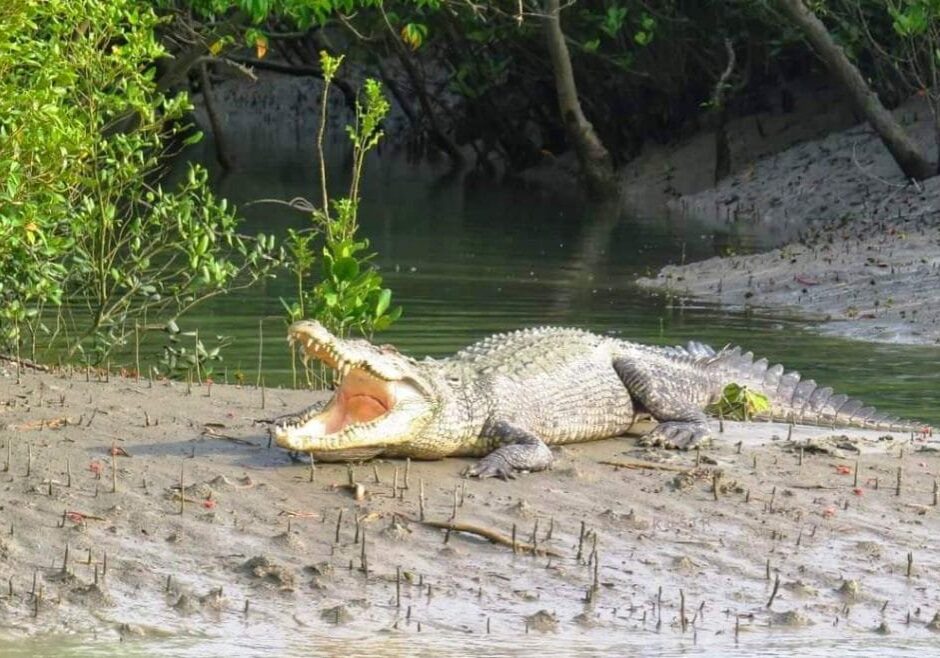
595	160
905	151
722	148
218	138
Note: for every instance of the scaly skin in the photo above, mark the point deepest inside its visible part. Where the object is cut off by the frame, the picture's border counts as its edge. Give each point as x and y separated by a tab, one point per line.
510	396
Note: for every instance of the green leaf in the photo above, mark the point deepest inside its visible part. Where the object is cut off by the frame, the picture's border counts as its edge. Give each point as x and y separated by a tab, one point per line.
383	302
345	268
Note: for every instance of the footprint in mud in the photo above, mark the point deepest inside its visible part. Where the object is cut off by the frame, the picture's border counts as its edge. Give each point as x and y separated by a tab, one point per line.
186	605
800	588
934	624
341	614
90	596
586	620
522	508
289	540
542	621
791	619
396	530
268	571
213	599
850	589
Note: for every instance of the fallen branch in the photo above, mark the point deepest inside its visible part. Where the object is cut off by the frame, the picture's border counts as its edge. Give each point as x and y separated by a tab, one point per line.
42	423
297	514
212	433
486	533
652	466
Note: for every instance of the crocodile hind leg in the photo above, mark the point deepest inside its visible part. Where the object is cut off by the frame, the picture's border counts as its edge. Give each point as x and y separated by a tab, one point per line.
676	402
519	450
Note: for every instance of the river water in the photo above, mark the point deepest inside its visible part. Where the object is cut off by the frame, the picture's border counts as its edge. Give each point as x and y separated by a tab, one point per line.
466	258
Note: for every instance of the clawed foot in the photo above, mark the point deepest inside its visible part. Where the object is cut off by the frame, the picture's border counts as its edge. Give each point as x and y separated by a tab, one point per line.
679	435
491	466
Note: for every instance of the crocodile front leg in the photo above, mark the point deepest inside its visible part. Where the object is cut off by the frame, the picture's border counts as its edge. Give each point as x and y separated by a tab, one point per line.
675	399
519	450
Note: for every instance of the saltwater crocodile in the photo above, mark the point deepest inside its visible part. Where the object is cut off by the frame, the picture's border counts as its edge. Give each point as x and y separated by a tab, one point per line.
510	396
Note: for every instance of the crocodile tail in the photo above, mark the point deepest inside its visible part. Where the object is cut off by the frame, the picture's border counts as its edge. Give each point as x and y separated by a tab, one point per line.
795	399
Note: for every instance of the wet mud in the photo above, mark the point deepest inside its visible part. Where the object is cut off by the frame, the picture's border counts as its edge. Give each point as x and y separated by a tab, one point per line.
132	510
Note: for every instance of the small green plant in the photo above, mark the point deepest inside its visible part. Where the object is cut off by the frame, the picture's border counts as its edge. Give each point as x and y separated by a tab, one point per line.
194	360
349	294
739	403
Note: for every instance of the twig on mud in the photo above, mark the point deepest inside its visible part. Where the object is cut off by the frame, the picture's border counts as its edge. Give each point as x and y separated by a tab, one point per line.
212	433
811	486
81	517
43	423
298	515
486	533
653	466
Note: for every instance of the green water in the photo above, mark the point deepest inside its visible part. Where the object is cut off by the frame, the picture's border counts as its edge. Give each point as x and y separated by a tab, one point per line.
467	258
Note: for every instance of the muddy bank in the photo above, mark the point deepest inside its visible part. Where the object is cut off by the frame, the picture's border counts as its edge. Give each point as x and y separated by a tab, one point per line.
264	552
867	261
874	280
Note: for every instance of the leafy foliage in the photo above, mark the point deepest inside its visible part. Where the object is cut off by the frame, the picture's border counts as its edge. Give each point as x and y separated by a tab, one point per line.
349	293
83	219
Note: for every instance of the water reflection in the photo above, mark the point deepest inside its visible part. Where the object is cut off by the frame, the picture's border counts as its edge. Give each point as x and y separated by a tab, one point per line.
467	258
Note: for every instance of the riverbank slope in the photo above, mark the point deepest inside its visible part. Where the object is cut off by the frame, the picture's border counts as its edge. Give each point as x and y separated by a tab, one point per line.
858	247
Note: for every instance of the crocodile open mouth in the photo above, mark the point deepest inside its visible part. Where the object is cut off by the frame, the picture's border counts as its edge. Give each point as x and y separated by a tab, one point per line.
369	408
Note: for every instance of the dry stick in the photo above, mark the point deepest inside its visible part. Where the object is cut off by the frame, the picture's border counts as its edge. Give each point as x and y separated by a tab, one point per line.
897	490
682	620
486	533
339	522
313	469
395	483
363	557
182	492
114	469
773	593
375	473
638	464
420	495
716	484
514	549
68	473
29	458
407	472
136	352
936	492
260	350
910	563
398	587
855	479
581	542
